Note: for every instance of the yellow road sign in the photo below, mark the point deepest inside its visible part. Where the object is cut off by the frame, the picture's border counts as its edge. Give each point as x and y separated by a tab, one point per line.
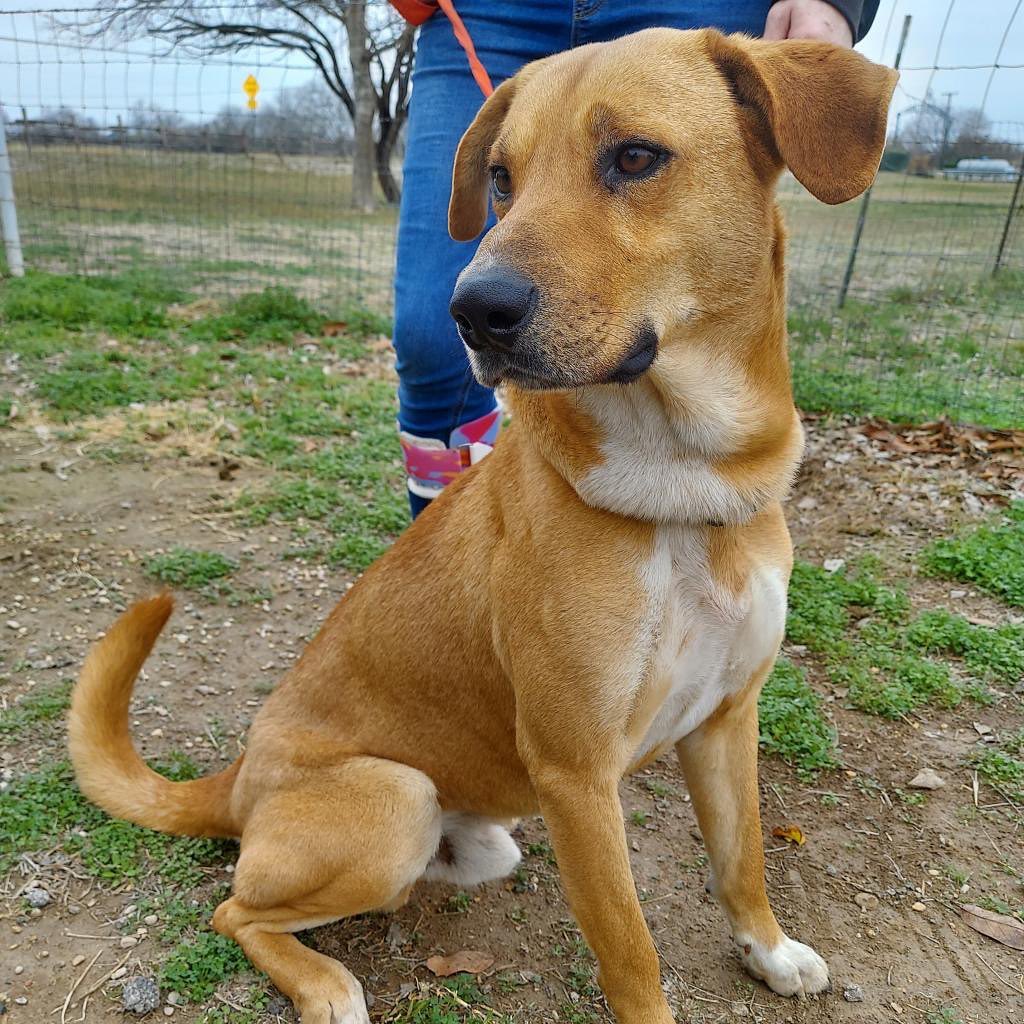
250	86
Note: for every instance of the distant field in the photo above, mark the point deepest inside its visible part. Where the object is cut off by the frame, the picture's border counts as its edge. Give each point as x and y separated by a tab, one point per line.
917	229
927	330
221	221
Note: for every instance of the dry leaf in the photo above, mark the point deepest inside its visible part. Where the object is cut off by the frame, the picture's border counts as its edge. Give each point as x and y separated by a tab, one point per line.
791	833
467	961
333	328
1007	930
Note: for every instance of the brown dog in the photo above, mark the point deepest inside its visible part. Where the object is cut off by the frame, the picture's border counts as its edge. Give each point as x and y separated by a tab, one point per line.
610	582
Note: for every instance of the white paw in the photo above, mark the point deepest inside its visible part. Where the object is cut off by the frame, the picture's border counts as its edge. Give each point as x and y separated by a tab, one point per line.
790	968
342	1005
473	850
350	1014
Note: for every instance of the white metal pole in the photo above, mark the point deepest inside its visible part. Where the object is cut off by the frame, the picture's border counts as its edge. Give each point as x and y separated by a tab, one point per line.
8	210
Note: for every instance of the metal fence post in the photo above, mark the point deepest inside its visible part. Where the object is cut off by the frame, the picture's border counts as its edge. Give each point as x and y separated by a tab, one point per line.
862	214
1009	217
8	211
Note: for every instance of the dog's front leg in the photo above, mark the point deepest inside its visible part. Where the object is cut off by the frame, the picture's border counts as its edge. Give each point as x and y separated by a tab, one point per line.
584	817
719	760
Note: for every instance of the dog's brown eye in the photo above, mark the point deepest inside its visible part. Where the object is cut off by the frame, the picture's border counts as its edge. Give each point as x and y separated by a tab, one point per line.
501	180
633	160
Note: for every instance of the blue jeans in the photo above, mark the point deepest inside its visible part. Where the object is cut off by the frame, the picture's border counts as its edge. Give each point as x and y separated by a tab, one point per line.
436	390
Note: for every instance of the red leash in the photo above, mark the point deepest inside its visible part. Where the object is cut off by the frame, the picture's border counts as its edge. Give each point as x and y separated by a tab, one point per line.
418	11
466	42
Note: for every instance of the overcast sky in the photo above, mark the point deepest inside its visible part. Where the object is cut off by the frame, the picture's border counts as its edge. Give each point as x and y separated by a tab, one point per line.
102	82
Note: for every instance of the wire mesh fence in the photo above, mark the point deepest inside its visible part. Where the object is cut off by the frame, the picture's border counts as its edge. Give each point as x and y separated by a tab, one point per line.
137	155
141	155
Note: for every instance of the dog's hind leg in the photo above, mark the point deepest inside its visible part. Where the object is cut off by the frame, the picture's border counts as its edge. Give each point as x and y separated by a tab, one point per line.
343	840
719	760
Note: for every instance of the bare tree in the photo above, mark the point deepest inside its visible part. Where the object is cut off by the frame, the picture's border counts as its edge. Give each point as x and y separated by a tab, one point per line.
304	119
973	134
363	107
392	52
364	57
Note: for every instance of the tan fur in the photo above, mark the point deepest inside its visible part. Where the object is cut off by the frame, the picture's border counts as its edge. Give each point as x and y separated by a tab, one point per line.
109	769
516	647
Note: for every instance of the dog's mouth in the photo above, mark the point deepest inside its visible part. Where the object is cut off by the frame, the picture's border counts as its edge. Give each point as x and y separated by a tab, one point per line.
637	360
528	367
494	368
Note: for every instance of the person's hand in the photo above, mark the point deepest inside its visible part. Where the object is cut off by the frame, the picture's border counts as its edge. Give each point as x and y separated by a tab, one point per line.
807	19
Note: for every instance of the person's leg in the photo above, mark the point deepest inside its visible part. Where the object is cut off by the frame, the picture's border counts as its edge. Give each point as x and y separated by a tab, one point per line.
600	20
437	393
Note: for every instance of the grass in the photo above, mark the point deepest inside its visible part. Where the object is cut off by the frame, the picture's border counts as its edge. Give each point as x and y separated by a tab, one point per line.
253	370
944	1015
45	808
185	567
793	725
206	572
459	902
197	960
660	790
275	314
988	652
868	643
234	222
458	1000
1002	766
127	306
197	965
990	556
254	1012
914	355
44	704
862	635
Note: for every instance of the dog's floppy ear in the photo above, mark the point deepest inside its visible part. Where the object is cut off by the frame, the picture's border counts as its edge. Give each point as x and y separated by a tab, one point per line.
817	108
467	211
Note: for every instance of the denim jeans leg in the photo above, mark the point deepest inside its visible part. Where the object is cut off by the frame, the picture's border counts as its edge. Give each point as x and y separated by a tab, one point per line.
600	20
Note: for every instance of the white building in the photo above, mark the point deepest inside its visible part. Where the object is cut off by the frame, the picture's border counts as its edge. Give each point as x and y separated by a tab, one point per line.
982	169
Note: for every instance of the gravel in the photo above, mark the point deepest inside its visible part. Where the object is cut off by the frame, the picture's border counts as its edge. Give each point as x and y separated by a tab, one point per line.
140	995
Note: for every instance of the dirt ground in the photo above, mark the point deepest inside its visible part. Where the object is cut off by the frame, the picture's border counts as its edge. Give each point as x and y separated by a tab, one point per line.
70	550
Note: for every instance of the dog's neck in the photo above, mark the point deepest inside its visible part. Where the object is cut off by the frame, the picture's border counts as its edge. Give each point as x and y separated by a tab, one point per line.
708	435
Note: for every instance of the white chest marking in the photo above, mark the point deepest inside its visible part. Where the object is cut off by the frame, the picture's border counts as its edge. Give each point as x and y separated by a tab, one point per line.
708	642
657	463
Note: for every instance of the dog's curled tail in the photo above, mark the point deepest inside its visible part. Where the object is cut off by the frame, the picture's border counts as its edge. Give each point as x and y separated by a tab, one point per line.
109	769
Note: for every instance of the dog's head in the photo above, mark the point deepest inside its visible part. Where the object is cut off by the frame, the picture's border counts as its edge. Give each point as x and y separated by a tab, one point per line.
633	182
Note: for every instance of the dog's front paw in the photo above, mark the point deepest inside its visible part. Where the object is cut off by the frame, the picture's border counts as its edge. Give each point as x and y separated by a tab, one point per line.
333	1005
790	968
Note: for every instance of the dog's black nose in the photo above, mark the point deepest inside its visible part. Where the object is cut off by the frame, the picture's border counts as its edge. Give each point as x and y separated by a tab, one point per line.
492	307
